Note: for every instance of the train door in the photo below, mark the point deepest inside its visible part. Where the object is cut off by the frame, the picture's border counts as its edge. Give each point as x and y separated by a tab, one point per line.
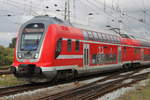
119	54
86	55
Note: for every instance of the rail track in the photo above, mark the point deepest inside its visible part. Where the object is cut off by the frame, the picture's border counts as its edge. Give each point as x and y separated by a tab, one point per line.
88	91
4	68
30	87
100	87
5	71
20	89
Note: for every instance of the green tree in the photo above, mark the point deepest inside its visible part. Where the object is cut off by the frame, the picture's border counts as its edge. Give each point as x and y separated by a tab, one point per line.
6	55
13	43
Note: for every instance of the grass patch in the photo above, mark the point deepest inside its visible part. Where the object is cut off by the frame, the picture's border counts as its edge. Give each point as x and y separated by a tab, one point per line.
141	93
9	80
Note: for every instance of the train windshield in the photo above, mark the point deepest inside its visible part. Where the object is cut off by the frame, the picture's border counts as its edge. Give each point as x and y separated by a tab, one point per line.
31	37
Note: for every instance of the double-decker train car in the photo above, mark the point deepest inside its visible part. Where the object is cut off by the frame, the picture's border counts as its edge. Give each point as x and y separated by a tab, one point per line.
48	48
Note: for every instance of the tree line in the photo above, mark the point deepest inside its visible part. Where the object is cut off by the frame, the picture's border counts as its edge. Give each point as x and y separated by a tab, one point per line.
6	53
6	56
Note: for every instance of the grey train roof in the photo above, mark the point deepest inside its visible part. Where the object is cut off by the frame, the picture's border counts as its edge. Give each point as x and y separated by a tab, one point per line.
48	20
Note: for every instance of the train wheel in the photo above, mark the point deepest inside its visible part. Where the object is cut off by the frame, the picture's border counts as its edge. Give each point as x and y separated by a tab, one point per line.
127	66
75	75
136	65
71	75
55	79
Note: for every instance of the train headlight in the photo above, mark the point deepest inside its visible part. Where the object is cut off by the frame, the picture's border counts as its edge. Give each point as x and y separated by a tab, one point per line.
19	55
36	56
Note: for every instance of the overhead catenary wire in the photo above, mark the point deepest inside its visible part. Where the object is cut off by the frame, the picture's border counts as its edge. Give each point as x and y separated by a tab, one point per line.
16	6
31	9
128	16
119	11
36	7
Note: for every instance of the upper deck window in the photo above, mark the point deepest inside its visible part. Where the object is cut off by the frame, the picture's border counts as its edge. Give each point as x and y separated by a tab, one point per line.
100	37
107	38
95	36
31	36
90	36
69	44
104	37
111	38
77	45
85	34
58	47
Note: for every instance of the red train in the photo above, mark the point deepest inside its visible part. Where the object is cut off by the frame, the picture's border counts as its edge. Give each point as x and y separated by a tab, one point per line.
49	48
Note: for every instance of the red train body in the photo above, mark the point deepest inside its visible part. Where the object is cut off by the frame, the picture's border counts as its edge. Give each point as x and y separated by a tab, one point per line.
48	48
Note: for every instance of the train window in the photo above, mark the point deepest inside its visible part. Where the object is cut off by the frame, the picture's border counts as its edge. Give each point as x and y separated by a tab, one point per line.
90	36
58	48
95	36
112	39
85	35
104	37
116	39
31	37
77	45
69	44
101	37
94	59
108	38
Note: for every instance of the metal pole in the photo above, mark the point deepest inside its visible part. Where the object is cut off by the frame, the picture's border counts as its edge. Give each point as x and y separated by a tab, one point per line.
65	14
68	11
104	6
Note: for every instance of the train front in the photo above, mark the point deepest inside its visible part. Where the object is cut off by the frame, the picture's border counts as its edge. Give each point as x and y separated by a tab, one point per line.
28	54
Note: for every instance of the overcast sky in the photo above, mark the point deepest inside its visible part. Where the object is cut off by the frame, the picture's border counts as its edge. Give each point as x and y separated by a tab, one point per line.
132	16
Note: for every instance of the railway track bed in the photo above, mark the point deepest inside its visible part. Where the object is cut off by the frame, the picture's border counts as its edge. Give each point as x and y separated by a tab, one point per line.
98	88
83	90
5	71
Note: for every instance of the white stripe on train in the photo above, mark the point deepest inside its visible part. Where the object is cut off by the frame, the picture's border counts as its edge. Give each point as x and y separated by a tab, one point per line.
70	57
